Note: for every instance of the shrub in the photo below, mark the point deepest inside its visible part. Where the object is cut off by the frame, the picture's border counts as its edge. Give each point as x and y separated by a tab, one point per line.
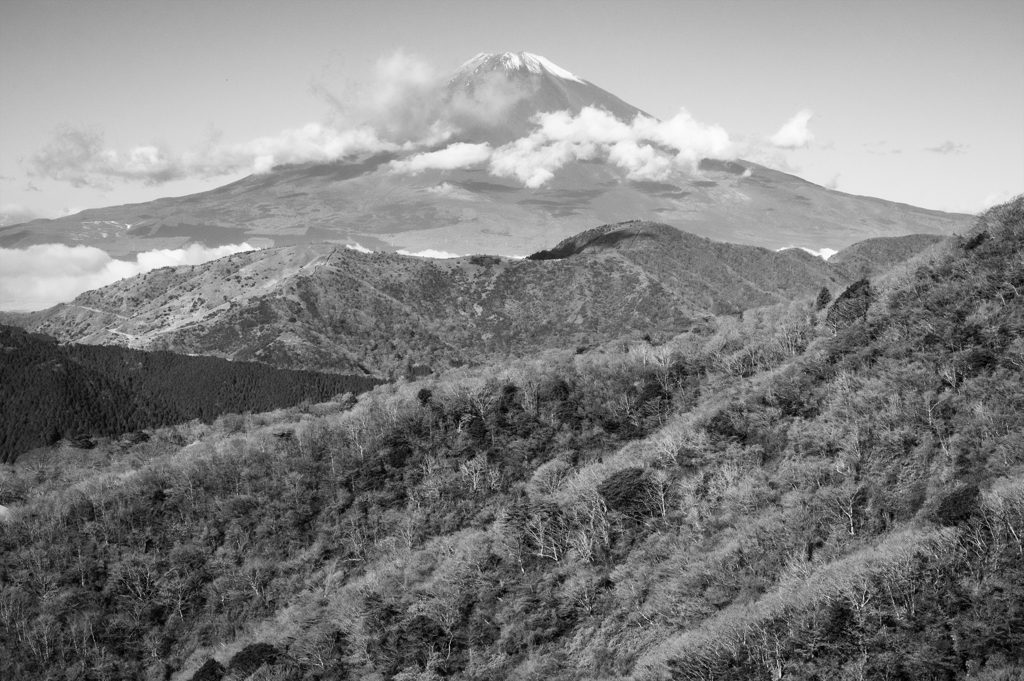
956	506
627	491
210	671
975	241
251	658
823	299
851	305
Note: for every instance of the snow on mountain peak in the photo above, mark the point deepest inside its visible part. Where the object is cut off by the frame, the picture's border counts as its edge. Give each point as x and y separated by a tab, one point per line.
515	61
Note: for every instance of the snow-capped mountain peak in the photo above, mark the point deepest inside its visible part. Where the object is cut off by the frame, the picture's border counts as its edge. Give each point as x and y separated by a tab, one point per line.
516	61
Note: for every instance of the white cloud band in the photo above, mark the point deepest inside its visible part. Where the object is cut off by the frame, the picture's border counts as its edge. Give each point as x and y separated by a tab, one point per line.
43	275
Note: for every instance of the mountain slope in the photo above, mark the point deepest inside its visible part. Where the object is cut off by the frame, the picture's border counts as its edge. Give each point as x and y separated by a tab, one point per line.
327	307
469	210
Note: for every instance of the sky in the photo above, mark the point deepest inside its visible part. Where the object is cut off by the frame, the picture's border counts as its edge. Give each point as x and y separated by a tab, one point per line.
920	102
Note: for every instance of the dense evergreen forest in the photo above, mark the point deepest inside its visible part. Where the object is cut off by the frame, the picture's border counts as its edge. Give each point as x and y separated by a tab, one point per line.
823	489
50	392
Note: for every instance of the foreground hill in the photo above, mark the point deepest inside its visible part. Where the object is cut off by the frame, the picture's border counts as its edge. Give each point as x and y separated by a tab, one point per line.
50	392
792	494
326	307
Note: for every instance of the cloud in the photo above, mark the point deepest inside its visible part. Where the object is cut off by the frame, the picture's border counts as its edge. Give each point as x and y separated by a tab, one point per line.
488	103
401	101
823	253
643	161
406	106
80	157
429	253
14	213
43	275
311	143
997	197
833	182
410	103
458	155
451	191
648	149
795	133
948	147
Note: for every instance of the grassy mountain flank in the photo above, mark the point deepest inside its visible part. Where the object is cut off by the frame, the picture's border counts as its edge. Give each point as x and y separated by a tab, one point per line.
329	308
787	493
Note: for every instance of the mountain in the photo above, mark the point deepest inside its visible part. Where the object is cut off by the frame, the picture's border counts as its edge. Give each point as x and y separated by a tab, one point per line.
797	494
323	306
494	99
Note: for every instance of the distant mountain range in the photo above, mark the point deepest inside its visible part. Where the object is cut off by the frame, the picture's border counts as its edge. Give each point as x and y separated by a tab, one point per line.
468	209
327	307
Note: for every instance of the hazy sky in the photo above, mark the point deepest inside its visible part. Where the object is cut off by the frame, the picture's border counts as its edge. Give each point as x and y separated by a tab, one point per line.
913	101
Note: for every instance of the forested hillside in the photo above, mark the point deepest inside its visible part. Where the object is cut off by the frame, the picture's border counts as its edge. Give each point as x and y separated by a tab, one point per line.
872	257
813	490
50	392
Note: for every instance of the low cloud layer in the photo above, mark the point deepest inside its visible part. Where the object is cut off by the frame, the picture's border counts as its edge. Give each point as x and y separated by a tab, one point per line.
458	155
41	276
80	157
795	134
13	213
429	253
823	253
